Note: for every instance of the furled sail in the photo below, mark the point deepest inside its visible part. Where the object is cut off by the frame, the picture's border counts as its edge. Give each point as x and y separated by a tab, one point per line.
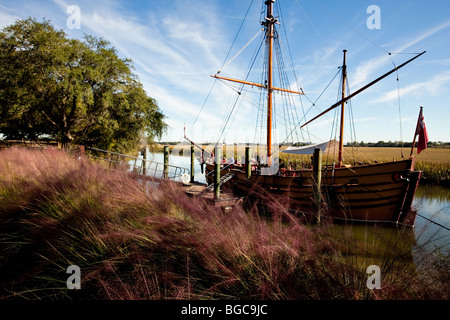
309	149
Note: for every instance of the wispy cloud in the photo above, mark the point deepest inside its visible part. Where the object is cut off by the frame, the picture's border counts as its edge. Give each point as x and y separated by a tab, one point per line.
5	17
173	53
368	68
368	119
432	87
425	35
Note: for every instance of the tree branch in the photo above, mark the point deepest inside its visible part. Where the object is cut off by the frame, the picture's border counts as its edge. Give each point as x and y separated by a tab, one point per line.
49	119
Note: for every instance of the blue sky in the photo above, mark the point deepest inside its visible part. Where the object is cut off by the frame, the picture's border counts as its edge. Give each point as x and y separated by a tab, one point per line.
176	45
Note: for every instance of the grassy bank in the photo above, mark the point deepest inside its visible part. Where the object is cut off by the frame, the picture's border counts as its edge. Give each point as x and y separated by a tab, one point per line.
136	242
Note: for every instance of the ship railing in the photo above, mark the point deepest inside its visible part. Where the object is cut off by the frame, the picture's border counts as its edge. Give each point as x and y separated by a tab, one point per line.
138	165
225	167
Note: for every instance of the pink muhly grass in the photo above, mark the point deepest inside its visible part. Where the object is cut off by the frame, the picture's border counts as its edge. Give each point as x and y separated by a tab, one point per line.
135	240
114	227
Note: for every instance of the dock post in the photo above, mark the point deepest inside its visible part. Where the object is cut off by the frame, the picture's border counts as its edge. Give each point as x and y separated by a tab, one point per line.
202	162
317	177
192	161
217	161
248	164
145	156
166	162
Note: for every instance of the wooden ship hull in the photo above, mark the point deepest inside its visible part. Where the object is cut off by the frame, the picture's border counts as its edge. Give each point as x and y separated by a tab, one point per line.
371	193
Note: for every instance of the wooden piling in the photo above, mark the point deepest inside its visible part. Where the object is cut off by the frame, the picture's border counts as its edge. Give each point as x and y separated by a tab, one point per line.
166	162
192	162
248	164
202	162
145	156
217	161
317	177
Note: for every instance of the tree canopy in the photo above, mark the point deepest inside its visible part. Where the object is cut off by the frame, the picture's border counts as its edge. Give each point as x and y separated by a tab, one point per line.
74	91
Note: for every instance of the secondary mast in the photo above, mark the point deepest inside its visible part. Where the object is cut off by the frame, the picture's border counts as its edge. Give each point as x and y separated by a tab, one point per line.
341	133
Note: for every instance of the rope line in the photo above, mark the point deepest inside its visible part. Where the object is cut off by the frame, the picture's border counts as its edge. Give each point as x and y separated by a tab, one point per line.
399	105
313	104
432	221
240	51
226	57
348	26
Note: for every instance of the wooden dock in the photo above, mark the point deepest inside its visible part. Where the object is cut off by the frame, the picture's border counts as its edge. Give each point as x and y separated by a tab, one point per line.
226	200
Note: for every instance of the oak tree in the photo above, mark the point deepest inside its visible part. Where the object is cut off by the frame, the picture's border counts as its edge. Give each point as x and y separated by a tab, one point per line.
74	91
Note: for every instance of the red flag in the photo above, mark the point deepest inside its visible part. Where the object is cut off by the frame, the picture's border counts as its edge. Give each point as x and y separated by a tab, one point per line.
421	130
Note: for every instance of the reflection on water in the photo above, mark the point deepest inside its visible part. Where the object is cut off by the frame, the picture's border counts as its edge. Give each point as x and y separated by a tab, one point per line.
363	245
432	203
404	247
179	161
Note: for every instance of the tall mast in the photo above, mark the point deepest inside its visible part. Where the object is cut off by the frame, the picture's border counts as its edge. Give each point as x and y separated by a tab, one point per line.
269	23
341	134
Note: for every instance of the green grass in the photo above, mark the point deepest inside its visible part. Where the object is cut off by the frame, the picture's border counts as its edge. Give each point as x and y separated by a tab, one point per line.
134	241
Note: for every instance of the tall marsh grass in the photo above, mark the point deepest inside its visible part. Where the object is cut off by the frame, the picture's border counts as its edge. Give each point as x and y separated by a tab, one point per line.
133	240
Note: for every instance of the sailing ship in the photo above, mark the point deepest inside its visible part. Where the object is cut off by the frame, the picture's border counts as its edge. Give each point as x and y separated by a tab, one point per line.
377	192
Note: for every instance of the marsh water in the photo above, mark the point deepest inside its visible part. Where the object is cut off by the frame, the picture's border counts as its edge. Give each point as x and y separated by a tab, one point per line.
431	229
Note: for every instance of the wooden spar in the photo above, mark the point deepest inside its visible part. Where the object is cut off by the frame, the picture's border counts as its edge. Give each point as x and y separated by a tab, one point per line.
256	84
217	162
269	38
341	133
193	143
248	164
362	89
192	162
166	162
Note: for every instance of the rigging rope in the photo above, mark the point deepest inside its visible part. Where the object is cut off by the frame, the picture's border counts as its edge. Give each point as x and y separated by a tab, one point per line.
235	38
226	57
381	48
289	109
436	223
291	62
354	30
399	107
227	119
240	51
203	105
313	104
307	18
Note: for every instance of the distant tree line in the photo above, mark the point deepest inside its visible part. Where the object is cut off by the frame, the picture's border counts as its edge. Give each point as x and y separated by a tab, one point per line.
73	91
431	144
